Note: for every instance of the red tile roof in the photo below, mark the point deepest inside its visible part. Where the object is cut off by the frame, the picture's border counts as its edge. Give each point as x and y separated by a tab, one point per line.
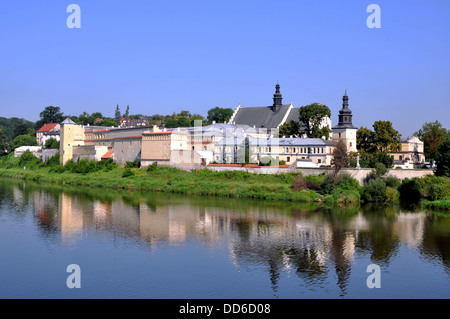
107	155
48	127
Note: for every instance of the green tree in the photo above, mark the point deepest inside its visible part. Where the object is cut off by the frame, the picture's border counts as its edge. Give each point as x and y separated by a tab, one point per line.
117	115
23	140
220	115
108	122
386	138
312	116
291	128
97	115
365	140
86	119
340	157
52	114
431	134
4	145
126	115
51	143
443	159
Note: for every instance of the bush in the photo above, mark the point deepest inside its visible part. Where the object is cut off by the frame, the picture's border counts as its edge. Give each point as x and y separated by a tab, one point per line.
429	187
392	195
132	164
393	181
301	183
28	159
127	172
51	143
152	167
380	170
52	161
374	190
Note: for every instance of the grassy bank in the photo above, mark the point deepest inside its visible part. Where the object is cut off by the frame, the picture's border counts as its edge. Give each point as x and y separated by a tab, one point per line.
433	192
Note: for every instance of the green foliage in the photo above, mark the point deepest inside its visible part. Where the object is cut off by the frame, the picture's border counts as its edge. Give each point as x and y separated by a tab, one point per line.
311	116
443	159
429	187
29	160
301	183
365	140
152	167
14	126
267	161
392	181
220	115
374	191
4	145
52	143
132	164
432	135
23	140
127	172
84	166
51	114
340	157
291	128
52	161
386	138
380	170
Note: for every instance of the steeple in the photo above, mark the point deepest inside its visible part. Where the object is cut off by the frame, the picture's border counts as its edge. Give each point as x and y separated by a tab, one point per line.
345	114
277	98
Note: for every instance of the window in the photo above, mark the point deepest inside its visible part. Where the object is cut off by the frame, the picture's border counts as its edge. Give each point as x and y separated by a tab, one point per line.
288	159
351	144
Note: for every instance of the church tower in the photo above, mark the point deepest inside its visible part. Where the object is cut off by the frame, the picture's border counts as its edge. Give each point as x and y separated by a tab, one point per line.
345	130
277	99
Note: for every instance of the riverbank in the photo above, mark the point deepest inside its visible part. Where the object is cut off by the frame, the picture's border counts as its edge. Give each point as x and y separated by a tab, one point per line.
288	187
166	179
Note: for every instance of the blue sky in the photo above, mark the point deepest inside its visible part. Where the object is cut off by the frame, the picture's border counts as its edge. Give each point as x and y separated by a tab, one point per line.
167	56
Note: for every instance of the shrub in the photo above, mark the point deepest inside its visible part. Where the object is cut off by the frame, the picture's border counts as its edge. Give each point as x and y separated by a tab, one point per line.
152	167
132	164
374	190
127	172
28	159
380	170
392	195
52	161
301	183
51	143
393	181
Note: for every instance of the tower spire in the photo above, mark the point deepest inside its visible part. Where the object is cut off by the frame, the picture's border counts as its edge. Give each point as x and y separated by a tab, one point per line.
277	98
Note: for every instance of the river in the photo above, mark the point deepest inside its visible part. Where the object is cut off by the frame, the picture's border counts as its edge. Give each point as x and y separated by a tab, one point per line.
165	246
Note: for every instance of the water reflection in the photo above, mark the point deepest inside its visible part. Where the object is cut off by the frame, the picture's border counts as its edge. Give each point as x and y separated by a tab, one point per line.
315	245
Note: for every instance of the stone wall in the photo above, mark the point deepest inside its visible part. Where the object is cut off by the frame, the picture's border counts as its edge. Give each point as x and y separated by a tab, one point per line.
358	174
49	152
361	173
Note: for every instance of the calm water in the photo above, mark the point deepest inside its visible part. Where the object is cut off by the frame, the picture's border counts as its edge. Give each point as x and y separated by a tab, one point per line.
135	245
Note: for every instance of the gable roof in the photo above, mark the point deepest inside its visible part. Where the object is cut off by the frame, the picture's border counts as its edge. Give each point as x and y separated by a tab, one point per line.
48	127
261	116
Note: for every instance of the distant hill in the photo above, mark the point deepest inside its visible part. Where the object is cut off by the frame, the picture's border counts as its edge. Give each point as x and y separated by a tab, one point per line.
12	127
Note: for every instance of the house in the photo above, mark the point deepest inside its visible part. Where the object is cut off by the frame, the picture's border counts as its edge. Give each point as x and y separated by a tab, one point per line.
410	155
35	150
47	131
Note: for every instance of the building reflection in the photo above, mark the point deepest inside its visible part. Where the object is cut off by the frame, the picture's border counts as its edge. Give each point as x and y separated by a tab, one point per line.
283	241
